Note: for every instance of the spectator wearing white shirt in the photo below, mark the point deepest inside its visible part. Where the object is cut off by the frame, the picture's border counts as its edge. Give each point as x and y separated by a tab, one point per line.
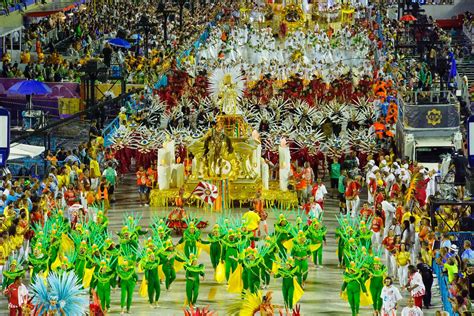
411	309
390	297
395	226
315	209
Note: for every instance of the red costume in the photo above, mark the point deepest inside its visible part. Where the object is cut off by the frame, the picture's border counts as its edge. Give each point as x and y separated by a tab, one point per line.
420	191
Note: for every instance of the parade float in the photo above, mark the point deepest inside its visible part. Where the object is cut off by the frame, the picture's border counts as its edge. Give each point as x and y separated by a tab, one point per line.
288	16
227	155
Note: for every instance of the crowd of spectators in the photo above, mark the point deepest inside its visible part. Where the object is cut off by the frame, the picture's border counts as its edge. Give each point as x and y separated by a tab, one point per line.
400	194
84	35
458	265
77	178
424	56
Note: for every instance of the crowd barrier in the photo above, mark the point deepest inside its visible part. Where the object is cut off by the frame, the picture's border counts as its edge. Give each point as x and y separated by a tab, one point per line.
443	284
108	131
443	288
34	167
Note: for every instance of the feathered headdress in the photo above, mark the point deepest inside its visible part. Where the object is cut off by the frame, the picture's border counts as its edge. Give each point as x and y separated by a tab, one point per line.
227	84
60	291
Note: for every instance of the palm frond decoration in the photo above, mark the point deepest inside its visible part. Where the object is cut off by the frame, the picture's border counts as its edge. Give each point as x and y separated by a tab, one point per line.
353	118
335	111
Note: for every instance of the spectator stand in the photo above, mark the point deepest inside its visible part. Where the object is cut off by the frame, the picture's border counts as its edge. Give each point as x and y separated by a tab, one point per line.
19	5
11	38
54	7
27	167
458	239
463	210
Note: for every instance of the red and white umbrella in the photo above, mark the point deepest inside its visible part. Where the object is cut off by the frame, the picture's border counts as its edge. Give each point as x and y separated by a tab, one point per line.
206	192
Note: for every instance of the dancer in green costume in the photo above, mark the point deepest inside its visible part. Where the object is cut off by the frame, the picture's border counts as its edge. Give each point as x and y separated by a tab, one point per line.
11	271
343	234
103	279
111	252
191	237
282	230
353	282
149	264
54	244
340	246
377	274
300	252
67	264
94	257
130	232
102	223
231	252
216	246
193	273
269	258
167	257
81	260
317	235
288	272
252	266
37	260
364	235
128	279
350	247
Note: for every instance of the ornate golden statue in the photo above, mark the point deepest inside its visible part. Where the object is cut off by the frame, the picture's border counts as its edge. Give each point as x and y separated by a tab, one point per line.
217	147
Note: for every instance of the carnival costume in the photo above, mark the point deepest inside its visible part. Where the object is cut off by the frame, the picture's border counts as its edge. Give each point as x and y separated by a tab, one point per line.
104	279
316	232
59	294
149	264
128	278
193	273
290	287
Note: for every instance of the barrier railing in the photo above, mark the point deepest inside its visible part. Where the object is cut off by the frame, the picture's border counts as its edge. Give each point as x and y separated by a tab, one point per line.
443	279
108	131
443	288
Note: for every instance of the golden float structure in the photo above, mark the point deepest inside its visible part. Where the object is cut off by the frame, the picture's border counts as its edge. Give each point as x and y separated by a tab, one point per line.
225	156
292	15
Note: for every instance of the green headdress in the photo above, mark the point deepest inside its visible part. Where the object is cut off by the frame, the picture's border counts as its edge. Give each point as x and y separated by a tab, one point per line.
132	222
158	226
127	252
